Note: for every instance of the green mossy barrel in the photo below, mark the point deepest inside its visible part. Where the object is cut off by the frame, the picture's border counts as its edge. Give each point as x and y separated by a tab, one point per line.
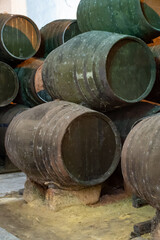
140	160
56	33
155	93
100	70
20	38
8	84
6	116
124	118
63	144
133	17
31	91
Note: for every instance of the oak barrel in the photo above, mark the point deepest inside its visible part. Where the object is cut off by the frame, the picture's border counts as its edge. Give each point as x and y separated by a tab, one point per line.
140	160
56	33
20	38
140	18
64	144
6	115
155	92
31	91
100	70
8	84
124	118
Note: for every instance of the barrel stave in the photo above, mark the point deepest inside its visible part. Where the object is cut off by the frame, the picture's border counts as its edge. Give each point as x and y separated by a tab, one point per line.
59	146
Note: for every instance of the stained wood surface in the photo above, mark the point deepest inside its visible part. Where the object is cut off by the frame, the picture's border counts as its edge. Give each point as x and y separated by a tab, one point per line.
64	144
8	84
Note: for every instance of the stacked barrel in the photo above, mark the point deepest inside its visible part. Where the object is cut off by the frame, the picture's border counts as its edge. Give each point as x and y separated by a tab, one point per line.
20	40
85	73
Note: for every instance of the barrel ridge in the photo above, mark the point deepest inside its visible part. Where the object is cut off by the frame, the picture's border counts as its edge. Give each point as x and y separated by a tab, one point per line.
122	16
26	72
53	34
64	78
42	139
140	154
10	81
6	115
6	55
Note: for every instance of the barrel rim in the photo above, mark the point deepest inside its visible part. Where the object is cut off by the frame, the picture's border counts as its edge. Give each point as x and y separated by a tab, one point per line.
25	94
153	68
11	16
117	152
144	18
64	32
40	99
16	81
57	20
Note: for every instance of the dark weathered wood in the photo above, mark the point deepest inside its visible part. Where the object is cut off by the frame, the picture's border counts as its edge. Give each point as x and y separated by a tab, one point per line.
63	144
100	70
150	226
20	38
6	116
32	91
8	84
140	160
134	17
155	93
137	202
142	228
124	118
55	34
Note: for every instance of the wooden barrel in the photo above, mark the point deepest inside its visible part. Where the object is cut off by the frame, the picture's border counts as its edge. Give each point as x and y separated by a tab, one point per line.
140	18
140	160
20	38
6	116
56	33
8	84
100	70
31	91
155	92
64	144
124	118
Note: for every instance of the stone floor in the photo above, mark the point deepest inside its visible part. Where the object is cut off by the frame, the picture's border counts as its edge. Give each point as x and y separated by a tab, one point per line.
11	182
4	235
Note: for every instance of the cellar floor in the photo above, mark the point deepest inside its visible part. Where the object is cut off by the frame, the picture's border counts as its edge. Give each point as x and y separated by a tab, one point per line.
111	219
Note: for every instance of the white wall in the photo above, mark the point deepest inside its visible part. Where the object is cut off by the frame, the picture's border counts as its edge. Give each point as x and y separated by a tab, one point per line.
45	11
5	6
13	6
19	7
41	11
66	8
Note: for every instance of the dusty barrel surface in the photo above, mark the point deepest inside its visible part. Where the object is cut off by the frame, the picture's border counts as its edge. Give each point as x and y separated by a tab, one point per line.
6	116
31	91
8	84
140	160
155	92
101	70
56	33
139	18
20	37
64	144
124	118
